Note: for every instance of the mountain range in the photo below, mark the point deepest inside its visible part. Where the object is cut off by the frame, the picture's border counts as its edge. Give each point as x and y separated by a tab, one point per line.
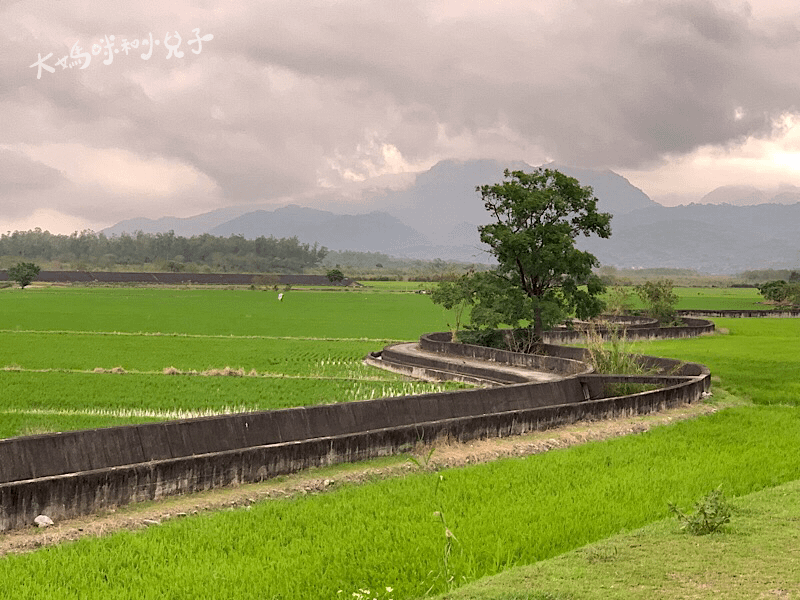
732	229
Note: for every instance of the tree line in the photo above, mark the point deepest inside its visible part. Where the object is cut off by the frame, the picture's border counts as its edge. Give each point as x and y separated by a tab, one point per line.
159	251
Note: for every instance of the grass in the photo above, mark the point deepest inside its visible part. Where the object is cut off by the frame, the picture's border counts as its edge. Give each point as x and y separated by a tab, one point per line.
720	299
504	514
756	359
135	352
131	396
723	298
755	557
348	315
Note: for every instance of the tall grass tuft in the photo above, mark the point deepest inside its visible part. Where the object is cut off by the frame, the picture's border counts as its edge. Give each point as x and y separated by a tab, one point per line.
610	354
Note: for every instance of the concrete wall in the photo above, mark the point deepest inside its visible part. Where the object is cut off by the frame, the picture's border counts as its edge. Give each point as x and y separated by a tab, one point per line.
692	327
73	473
555	363
744	314
111	277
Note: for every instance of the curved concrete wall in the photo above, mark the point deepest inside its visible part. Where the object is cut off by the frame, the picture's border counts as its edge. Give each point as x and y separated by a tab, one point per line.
113	277
73	473
744	314
692	327
440	342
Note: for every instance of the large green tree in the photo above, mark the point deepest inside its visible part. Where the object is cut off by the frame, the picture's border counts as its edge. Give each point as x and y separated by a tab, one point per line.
541	276
23	273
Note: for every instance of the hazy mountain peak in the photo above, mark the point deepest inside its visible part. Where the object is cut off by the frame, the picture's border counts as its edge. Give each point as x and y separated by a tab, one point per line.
735	195
615	193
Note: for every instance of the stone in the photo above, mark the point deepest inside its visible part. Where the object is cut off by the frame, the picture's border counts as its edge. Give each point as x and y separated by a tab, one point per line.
43	521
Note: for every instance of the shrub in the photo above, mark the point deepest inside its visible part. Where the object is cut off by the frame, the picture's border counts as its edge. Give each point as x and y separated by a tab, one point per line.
781	292
335	276
611	356
619	301
659	300
711	513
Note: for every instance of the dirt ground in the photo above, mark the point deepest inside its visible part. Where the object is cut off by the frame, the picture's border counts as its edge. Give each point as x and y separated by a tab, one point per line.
441	454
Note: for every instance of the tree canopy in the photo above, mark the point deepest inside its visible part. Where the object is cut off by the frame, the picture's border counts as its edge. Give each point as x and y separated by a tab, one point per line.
163	251
781	292
23	273
541	276
335	275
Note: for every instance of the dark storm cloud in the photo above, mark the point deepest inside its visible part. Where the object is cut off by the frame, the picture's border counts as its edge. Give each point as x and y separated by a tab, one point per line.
291	93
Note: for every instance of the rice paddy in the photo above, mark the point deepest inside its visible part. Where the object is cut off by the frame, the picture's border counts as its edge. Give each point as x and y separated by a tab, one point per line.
87	357
422	534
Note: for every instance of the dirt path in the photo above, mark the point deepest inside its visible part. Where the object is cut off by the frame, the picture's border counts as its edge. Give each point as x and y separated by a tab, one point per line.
445	454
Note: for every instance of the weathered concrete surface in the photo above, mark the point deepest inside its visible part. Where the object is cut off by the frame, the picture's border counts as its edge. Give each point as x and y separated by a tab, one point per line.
412	359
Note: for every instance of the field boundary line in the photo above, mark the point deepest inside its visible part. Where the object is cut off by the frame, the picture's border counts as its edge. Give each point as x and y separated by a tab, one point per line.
197	335
129	412
266	375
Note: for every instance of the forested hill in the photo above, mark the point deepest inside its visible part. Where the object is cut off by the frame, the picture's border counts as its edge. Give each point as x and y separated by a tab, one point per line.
234	253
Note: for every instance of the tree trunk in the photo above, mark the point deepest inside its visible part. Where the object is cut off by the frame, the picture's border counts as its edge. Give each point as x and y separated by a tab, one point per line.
538	327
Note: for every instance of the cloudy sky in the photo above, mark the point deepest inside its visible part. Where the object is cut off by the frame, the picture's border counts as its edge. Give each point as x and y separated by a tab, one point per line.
260	102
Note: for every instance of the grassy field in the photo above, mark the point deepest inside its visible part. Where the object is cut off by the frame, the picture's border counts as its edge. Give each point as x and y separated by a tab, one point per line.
73	358
314	314
692	298
386	534
755	556
756	359
394	533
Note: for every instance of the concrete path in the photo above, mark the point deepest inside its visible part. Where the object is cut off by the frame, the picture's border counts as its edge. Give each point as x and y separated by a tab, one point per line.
455	364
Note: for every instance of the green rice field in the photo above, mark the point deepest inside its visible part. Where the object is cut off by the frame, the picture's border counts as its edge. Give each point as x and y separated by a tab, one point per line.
418	535
94	357
691	298
757	359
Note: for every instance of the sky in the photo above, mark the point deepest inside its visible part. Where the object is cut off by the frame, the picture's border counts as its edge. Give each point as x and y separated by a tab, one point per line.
146	108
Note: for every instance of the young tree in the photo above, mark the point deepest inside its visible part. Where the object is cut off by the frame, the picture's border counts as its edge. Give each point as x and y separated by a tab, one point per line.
659	300
335	276
537	218
456	295
23	273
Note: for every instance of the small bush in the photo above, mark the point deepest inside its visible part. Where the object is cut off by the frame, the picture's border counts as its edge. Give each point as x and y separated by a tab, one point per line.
619	301
711	513
660	300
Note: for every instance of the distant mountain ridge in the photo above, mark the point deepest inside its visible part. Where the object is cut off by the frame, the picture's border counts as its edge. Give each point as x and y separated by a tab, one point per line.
439	214
748	195
711	238
371	232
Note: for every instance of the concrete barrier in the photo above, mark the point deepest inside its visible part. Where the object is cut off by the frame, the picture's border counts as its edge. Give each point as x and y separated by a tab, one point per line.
74	473
743	314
